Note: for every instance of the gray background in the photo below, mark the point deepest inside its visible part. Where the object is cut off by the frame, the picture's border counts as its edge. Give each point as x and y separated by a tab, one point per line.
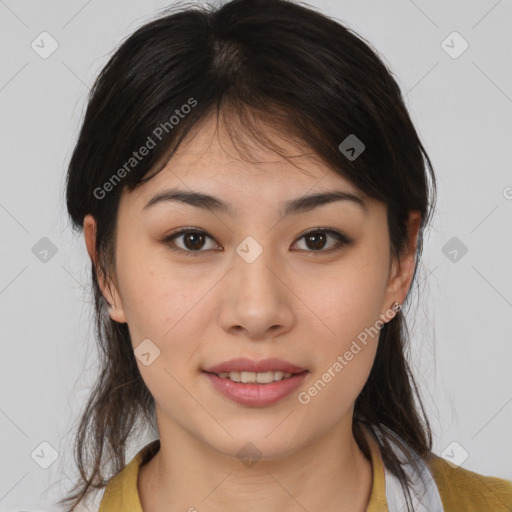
461	338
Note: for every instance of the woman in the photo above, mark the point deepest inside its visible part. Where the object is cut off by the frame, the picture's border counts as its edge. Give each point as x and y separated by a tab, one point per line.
253	196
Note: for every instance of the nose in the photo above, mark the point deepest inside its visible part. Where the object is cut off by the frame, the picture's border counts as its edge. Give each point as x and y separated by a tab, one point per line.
257	301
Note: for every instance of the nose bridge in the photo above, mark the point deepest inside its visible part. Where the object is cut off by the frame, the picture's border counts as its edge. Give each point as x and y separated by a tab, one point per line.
253	264
256	297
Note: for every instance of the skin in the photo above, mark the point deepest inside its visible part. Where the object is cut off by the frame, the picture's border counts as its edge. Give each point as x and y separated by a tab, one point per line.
292	302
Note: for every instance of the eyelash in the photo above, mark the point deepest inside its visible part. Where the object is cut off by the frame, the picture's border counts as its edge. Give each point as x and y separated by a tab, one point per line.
342	239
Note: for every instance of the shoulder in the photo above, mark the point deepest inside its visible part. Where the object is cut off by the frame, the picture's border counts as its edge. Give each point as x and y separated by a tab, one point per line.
462	489
121	492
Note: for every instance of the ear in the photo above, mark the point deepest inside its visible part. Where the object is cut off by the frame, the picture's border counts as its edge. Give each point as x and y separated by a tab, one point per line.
402	269
107	285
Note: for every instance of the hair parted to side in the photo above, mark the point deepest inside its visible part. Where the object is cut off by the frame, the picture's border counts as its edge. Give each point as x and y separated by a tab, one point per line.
255	64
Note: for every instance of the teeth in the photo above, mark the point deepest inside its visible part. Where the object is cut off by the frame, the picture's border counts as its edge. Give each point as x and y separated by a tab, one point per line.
252	377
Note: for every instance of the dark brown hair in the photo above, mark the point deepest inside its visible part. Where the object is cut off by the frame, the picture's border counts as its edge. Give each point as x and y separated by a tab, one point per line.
254	63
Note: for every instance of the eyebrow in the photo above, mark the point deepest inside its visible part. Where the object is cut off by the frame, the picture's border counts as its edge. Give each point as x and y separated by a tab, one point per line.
293	206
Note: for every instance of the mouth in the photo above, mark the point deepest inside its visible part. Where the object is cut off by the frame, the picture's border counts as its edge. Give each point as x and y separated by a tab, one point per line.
246	377
256	389
255	383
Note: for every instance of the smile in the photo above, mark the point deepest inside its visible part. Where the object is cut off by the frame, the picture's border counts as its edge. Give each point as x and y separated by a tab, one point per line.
253	377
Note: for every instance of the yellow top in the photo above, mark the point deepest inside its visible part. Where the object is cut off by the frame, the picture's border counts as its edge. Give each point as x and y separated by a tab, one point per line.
459	489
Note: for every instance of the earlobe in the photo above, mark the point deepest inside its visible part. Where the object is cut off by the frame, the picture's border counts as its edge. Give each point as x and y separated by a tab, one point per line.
117	314
111	296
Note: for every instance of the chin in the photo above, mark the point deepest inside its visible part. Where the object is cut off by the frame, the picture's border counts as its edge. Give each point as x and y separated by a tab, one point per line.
256	443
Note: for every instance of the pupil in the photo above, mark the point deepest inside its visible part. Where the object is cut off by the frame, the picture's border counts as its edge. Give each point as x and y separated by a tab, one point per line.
193	237
318	240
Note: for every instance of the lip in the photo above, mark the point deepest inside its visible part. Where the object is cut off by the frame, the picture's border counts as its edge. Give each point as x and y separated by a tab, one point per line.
256	395
242	364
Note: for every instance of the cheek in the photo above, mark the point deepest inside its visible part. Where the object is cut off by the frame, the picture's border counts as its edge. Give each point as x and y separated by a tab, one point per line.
157	297
345	355
168	313
348	302
332	393
348	299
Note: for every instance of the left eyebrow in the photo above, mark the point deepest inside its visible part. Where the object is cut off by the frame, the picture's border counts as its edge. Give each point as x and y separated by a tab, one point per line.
306	203
291	207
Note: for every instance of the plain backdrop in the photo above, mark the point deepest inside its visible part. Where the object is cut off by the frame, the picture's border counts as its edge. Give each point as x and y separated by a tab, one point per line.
461	104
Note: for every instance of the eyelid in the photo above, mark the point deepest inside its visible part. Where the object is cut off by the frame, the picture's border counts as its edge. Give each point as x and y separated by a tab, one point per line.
342	239
168	240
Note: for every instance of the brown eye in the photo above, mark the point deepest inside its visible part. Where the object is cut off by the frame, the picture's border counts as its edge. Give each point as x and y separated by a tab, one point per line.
191	241
194	241
315	241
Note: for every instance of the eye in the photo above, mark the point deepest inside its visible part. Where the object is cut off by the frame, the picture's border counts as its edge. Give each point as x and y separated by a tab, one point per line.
192	239
316	240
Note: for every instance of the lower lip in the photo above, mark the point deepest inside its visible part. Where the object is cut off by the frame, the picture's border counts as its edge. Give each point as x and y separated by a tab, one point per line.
256	394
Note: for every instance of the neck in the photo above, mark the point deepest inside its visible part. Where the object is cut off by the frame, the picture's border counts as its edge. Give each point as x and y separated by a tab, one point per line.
329	474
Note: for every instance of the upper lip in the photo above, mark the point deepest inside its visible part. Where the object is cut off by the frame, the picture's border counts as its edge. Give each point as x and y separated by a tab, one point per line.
242	364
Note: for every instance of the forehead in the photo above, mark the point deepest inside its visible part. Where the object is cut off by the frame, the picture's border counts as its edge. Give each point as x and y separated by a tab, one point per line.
211	157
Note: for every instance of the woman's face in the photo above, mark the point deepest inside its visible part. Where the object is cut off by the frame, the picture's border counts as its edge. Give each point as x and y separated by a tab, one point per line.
252	285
